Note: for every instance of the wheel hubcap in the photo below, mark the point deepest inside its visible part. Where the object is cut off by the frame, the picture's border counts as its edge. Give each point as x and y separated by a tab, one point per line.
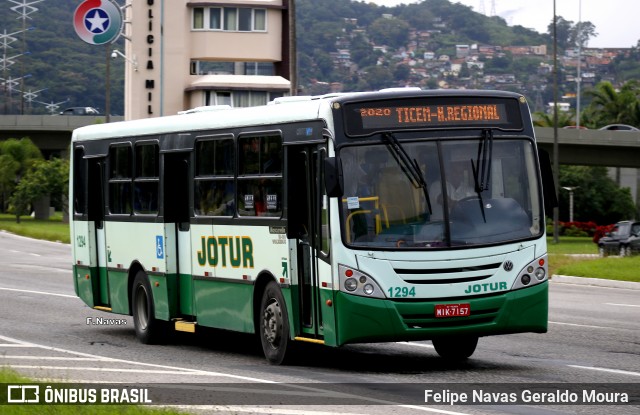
272	323
142	316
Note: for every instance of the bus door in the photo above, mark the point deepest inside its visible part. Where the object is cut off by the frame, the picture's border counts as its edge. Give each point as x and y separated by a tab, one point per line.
177	211
304	227
96	207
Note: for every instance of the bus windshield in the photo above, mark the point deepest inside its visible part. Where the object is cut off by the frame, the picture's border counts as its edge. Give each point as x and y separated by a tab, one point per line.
475	192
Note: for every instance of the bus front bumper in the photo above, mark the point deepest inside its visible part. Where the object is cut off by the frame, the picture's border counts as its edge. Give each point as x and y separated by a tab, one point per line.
360	319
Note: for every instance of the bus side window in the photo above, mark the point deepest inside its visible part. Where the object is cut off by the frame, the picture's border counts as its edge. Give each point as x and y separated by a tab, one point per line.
80	177
214	189
120	176
260	176
147	179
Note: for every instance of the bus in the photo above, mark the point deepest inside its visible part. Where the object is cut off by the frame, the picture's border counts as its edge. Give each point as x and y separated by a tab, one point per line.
396	215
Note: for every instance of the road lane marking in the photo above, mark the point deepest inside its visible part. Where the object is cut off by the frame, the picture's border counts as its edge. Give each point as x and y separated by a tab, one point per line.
602	369
72	359
579	325
623	305
38	292
13	345
283	411
255	410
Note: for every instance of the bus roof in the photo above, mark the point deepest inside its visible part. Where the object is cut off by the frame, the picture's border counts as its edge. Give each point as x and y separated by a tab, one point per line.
298	108
207	120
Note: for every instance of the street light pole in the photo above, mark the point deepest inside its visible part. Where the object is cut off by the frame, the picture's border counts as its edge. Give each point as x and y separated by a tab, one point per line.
578	79
570	190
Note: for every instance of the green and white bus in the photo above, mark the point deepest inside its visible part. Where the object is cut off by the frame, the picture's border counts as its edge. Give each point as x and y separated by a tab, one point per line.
396	215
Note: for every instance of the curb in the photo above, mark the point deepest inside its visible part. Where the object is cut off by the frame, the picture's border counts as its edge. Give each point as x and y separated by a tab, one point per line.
596	282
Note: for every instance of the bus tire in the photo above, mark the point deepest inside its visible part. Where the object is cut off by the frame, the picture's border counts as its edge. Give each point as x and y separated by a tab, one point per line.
455	348
148	329
273	325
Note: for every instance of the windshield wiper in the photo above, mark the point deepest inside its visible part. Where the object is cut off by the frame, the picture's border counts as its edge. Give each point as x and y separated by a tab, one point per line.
482	168
411	168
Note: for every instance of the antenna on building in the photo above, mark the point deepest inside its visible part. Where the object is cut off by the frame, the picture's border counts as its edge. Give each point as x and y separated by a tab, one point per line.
24	8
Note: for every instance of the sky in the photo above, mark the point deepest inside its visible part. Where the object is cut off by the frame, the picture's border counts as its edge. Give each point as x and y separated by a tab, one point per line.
616	21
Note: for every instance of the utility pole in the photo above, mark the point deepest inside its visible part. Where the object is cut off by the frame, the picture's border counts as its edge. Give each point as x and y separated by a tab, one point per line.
556	163
293	53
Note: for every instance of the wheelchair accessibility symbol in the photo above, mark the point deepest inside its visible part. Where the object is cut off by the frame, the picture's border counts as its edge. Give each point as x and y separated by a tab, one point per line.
159	247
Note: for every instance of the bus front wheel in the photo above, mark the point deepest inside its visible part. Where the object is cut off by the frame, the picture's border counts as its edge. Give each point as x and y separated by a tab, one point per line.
148	329
274	324
455	348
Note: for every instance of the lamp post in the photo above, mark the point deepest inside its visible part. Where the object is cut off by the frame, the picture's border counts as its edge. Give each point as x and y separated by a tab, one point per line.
570	190
578	79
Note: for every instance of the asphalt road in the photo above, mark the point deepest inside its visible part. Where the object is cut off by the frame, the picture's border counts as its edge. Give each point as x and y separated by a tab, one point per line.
48	333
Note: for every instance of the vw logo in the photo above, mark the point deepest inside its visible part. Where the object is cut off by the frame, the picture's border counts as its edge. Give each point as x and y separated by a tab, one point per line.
508	265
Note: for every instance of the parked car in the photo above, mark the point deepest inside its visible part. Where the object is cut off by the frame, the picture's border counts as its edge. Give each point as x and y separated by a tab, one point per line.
80	111
623	240
619	127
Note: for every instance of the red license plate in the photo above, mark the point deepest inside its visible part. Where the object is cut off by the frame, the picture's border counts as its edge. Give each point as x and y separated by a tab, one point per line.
452	310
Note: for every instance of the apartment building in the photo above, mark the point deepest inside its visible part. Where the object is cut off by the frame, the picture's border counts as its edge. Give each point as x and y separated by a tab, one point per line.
185	53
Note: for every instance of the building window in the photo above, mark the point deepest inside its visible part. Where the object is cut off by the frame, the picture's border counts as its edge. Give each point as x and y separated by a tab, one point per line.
215	18
239	99
230	19
218	98
198	18
259	20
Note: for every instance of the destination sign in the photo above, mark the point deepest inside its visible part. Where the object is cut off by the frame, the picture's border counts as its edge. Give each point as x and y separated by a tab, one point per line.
369	117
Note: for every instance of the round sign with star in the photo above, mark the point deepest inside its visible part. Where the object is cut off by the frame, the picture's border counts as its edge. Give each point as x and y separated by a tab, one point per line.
98	22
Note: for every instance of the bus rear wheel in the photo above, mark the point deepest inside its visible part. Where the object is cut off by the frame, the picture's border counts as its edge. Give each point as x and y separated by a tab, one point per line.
455	348
148	329
274	325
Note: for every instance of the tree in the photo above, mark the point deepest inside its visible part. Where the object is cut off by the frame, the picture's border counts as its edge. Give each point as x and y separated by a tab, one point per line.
390	32
544	119
16	157
45	178
563	31
581	33
610	106
598	198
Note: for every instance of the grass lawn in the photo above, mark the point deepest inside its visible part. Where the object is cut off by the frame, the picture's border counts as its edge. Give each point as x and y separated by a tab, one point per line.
571	257
51	230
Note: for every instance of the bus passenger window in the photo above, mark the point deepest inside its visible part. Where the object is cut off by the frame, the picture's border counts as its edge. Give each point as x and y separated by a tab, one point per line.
146	182
214	189
260	176
120	175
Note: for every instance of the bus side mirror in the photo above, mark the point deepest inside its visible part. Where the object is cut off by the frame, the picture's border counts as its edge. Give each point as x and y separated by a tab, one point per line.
333	181
548	184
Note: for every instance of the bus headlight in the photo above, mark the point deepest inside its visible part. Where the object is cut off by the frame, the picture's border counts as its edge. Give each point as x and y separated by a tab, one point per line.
368	289
350	284
532	274
356	282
